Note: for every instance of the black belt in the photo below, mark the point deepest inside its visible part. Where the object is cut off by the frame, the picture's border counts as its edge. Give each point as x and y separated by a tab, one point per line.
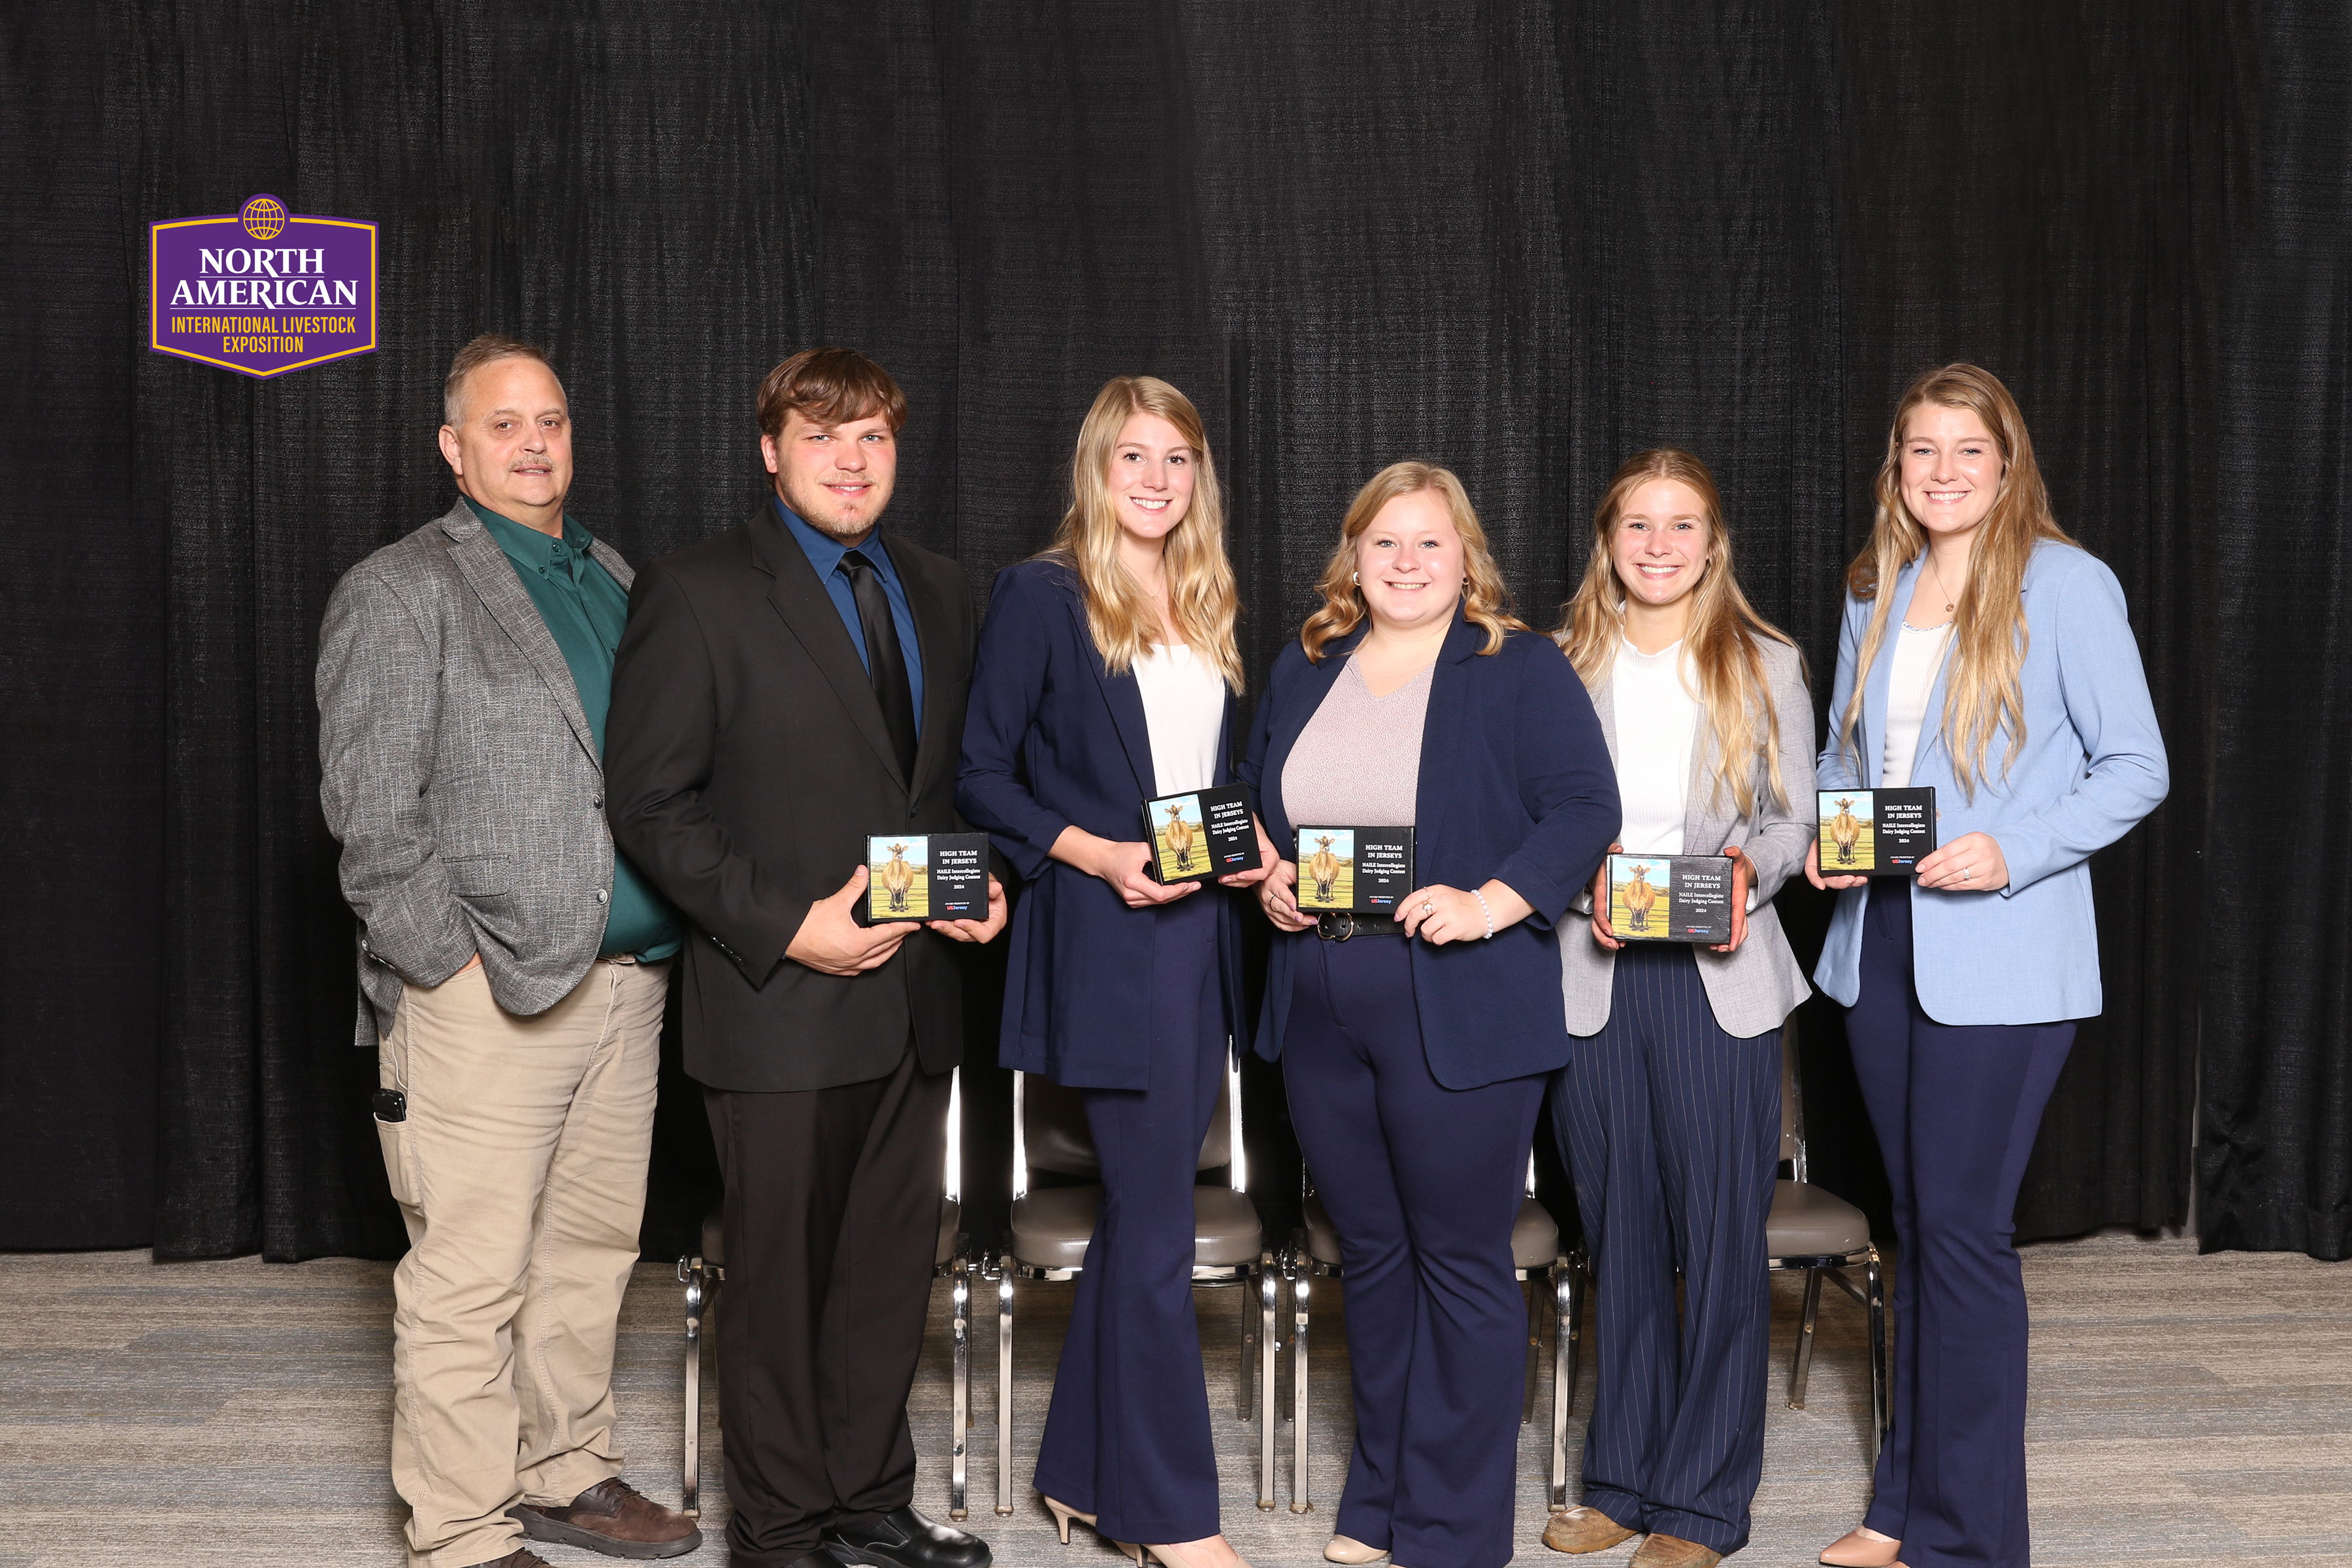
1340	926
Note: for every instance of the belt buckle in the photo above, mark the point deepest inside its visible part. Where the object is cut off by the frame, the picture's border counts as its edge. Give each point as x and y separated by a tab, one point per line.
1344	921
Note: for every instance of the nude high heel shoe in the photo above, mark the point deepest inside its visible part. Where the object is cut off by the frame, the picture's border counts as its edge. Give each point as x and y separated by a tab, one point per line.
1063	1513
1862	1548
1347	1549
1148	1554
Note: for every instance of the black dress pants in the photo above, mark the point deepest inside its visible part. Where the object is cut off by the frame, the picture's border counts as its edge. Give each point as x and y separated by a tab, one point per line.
833	1222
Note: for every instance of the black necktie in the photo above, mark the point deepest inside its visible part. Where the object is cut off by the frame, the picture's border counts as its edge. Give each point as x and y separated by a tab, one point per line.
886	662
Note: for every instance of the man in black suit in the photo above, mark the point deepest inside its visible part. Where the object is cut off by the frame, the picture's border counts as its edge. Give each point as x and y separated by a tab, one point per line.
783	690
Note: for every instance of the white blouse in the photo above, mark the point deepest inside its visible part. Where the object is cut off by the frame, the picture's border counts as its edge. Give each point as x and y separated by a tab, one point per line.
1919	655
1185	709
1657	718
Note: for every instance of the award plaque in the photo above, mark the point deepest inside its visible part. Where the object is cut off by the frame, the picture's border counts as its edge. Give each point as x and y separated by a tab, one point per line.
1363	870
925	877
1876	832
1201	834
1671	897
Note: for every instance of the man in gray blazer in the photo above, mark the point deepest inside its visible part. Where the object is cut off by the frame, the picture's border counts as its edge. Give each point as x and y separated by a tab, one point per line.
512	971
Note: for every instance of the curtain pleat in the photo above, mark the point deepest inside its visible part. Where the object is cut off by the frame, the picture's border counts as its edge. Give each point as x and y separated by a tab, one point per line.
1524	240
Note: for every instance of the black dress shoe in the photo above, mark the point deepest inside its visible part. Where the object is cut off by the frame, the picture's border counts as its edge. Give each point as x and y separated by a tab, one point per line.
905	1539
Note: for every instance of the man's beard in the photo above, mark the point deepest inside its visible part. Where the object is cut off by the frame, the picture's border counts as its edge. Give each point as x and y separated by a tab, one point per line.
821	511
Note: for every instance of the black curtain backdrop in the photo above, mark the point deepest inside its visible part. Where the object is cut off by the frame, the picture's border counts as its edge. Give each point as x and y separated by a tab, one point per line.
1523	240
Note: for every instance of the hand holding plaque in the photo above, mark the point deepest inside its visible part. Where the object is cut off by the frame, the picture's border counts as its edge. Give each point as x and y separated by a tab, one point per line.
925	877
1201	834
1875	832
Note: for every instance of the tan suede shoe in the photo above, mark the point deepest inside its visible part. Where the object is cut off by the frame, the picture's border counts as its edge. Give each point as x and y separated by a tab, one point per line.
1581	1530
1672	1551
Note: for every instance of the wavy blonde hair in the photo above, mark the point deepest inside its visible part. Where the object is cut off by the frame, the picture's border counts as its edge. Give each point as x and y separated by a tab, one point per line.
1201	597
1984	695
1720	645
1484	600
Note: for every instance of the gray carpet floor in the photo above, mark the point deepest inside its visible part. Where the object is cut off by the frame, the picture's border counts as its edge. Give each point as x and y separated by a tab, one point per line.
2185	1410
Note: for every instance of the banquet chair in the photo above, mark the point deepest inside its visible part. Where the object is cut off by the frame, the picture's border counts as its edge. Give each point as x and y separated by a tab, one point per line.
1050	1227
703	1271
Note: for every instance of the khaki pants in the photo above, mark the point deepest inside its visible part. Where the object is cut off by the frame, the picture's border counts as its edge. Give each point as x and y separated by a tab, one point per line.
521	1173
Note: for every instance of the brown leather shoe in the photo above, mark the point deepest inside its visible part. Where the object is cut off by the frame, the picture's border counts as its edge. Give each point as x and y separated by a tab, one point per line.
1582	1528
1674	1551
613	1517
520	1557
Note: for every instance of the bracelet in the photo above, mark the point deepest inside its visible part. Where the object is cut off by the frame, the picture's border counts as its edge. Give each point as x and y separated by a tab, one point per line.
1489	913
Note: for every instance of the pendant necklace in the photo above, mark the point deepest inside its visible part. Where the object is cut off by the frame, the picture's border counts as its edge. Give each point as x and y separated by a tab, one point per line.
1939	582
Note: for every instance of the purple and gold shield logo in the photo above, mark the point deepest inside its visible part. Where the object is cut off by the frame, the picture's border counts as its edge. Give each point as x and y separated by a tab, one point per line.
261	290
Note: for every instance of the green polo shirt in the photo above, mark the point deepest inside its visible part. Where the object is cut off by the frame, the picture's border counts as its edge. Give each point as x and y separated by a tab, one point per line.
584	610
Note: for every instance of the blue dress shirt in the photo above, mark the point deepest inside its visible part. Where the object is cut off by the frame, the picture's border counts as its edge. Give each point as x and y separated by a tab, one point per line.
824	554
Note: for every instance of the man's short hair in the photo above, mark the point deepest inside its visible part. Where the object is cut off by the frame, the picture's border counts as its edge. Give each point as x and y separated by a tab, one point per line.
828	387
487	349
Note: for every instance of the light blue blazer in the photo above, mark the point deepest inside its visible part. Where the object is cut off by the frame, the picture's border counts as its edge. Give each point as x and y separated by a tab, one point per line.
2093	765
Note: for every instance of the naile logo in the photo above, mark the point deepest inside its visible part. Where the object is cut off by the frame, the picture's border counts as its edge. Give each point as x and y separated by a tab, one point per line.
261	291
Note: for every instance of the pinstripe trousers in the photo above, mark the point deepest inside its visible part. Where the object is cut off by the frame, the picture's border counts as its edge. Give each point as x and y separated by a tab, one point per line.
1673	1130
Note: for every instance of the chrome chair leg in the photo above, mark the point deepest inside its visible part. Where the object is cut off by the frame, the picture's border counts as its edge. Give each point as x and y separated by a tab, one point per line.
1004	1387
960	1437
1534	1347
1576	1285
1302	1498
691	1273
1245	1394
1563	1381
1269	1327
1882	1390
1803	1371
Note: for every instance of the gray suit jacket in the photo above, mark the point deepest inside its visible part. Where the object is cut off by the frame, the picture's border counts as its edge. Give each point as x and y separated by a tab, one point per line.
460	775
1756	987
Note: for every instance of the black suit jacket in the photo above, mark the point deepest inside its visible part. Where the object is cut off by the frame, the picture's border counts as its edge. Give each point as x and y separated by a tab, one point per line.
745	762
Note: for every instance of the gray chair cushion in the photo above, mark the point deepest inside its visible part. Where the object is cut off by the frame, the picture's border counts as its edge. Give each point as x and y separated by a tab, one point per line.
1058	1139
1051	1228
1535	1238
714	1233
1807	1222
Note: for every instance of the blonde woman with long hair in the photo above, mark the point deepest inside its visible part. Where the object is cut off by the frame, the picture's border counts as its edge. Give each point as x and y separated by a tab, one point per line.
1107	676
1415	1045
1986	655
1669	1109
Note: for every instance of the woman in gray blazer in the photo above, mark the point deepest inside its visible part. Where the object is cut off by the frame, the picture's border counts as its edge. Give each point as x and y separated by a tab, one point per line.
1669	1110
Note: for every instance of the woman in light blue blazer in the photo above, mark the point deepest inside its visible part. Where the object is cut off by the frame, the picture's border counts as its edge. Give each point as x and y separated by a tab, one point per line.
1986	655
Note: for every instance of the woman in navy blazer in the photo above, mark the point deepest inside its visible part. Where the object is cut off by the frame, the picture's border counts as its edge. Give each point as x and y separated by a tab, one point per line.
2014	689
1105	677
1414	1048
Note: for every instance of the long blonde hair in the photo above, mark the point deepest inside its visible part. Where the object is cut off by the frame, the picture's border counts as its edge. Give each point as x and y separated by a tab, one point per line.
1485	601
1983	694
1201	597
1721	644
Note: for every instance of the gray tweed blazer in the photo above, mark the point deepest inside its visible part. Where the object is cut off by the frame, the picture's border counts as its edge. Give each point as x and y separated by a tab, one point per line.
460	775
1755	988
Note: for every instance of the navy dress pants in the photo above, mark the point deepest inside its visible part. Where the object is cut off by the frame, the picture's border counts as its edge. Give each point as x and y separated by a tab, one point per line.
1955	1109
1673	1129
1127	1437
1423	1184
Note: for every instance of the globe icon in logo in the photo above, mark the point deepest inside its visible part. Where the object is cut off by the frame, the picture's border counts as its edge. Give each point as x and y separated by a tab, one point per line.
263	218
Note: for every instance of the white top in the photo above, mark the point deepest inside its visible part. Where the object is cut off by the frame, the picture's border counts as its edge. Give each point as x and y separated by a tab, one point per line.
1919	655
1657	716
1185	709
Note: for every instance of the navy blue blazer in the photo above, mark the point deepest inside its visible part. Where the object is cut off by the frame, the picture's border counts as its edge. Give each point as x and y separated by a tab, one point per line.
1516	785
1051	739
